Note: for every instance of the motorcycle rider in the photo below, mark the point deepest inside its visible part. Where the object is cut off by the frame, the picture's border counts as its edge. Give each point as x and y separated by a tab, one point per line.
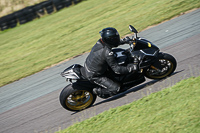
101	57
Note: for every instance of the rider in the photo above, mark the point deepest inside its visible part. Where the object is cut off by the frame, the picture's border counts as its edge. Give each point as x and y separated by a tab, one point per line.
101	57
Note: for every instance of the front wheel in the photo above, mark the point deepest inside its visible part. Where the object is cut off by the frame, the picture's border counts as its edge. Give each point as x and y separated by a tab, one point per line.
168	63
76	99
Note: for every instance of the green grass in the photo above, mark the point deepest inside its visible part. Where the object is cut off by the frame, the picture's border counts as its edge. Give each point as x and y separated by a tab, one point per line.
31	47
172	110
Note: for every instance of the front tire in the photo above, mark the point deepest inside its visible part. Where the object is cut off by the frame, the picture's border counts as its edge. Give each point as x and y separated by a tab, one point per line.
76	99
168	63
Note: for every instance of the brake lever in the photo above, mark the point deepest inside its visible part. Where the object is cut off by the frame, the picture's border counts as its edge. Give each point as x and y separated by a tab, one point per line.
132	45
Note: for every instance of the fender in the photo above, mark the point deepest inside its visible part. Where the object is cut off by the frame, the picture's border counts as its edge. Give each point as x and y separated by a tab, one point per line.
156	64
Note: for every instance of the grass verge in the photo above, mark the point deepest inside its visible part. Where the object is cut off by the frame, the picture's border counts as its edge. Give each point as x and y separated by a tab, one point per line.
175	110
31	47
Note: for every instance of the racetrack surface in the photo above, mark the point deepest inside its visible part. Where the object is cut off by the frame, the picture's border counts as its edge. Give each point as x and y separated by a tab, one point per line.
32	104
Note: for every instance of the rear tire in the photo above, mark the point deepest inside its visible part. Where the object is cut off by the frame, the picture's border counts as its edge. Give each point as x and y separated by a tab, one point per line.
169	65
76	99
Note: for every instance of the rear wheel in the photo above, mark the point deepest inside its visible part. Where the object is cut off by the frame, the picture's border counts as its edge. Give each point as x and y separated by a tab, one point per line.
76	99
168	63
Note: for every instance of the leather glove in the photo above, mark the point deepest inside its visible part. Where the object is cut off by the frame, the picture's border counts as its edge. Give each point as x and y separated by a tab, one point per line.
136	60
125	40
132	67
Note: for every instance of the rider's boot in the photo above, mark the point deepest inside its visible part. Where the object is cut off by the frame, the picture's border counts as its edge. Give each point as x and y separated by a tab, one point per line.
102	92
123	89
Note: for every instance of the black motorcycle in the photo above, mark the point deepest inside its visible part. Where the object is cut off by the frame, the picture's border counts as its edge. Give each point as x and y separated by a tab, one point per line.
153	64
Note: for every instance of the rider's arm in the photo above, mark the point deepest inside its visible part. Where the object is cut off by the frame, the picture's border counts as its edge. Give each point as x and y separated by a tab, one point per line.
112	62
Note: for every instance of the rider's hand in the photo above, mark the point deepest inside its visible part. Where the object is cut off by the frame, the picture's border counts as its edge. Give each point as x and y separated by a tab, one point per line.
132	67
136	60
125	40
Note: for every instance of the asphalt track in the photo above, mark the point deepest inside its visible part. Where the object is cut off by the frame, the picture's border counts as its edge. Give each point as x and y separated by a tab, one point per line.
31	104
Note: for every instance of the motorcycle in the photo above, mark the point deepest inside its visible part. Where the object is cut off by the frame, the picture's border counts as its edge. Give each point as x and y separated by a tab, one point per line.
153	64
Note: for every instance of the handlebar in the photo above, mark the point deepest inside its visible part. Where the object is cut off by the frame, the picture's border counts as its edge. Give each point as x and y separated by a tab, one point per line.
132	44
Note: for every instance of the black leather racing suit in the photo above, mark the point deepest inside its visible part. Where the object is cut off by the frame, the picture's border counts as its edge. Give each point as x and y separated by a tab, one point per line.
100	58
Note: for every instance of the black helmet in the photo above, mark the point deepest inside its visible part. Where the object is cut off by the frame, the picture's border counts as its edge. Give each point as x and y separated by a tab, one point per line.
110	36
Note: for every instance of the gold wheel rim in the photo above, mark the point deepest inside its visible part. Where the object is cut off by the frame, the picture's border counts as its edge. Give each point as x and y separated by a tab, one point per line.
79	100
170	67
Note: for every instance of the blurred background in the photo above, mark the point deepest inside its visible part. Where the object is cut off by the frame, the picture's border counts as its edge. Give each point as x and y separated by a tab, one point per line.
13	12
